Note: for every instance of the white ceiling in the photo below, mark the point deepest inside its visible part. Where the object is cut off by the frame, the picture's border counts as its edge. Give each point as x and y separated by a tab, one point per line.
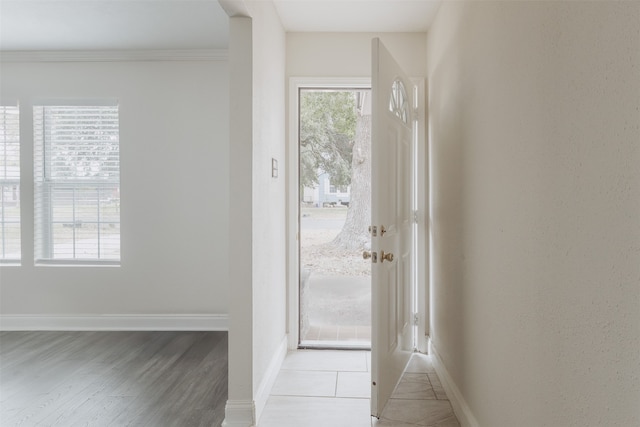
112	24
186	24
357	15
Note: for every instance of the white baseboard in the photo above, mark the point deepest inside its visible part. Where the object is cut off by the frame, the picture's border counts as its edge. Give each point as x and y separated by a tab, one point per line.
116	322
460	406
239	413
264	389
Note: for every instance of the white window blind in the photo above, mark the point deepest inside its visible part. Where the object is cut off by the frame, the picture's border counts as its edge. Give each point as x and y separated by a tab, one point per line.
77	183
9	183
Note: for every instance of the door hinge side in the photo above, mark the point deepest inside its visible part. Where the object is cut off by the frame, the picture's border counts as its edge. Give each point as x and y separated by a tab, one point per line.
415	217
416	319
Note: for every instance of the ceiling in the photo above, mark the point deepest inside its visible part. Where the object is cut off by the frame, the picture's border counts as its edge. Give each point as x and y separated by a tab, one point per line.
357	15
186	24
112	24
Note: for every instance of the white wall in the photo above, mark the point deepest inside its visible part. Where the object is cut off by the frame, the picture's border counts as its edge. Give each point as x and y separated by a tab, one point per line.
174	190
240	407
257	343
269	194
349	54
535	164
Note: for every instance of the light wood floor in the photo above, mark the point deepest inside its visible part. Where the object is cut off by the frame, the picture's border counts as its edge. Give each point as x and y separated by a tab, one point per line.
113	378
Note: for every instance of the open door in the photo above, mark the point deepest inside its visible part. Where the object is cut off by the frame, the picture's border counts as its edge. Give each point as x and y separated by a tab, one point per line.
391	215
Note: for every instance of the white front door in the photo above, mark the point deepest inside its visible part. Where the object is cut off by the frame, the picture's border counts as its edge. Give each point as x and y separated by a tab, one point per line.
392	135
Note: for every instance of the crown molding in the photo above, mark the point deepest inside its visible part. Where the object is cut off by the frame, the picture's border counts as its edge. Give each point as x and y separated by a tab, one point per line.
113	55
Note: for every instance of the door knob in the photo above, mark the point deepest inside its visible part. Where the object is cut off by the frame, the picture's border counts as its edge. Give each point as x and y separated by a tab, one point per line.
366	254
387	256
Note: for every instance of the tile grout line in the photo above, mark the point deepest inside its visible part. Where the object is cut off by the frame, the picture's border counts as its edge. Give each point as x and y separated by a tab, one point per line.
431	385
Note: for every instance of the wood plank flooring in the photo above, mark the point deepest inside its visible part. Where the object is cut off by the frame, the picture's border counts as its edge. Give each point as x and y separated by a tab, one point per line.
113	378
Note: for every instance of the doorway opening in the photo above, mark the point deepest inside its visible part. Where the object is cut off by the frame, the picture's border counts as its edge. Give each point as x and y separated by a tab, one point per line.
334	196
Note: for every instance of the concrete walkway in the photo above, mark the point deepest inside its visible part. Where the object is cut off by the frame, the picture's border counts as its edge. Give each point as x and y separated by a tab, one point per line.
338	308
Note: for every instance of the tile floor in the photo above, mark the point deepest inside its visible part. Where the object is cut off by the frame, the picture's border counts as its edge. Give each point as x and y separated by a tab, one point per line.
330	388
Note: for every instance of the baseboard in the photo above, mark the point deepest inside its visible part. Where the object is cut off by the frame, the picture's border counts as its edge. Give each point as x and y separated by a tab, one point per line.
239	413
264	389
113	322
460	406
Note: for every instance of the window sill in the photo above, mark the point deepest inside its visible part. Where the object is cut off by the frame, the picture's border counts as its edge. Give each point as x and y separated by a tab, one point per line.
10	263
75	263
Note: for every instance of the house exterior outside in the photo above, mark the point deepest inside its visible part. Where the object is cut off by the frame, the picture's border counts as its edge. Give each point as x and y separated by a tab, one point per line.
323	194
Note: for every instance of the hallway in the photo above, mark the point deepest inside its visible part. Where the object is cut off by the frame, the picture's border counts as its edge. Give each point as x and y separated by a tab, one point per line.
320	388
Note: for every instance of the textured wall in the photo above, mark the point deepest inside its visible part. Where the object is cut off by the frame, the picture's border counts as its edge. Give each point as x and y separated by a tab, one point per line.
535	157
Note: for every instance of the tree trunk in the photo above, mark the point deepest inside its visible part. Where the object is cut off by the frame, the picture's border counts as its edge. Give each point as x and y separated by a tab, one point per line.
355	234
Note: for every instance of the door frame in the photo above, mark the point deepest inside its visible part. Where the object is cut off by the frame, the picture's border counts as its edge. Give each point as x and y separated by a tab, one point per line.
293	205
423	223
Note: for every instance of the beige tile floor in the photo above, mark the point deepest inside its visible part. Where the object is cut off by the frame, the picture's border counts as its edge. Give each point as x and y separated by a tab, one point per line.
331	388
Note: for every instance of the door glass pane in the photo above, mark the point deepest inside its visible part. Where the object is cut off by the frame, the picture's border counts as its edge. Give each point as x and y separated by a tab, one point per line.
335	212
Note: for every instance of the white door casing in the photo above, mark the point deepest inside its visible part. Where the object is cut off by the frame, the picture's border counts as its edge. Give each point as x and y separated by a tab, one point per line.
391	208
293	185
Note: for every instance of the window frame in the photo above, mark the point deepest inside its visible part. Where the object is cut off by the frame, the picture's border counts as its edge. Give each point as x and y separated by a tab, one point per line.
10	182
45	186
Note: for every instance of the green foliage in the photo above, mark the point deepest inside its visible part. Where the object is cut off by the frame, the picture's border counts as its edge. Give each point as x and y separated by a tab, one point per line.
327	134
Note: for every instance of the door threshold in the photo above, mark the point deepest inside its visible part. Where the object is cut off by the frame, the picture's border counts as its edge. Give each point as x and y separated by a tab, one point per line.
334	345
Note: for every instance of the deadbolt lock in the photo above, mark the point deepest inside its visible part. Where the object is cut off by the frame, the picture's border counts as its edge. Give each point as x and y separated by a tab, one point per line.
373	230
372	255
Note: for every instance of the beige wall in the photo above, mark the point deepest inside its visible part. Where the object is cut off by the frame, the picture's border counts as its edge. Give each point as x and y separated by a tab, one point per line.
174	190
535	166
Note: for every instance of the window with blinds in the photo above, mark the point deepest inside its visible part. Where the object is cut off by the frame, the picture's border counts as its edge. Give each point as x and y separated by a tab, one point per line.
9	184
77	184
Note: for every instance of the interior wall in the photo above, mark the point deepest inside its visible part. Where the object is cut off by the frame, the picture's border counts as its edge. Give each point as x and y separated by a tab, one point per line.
269	195
240	405
535	183
174	190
